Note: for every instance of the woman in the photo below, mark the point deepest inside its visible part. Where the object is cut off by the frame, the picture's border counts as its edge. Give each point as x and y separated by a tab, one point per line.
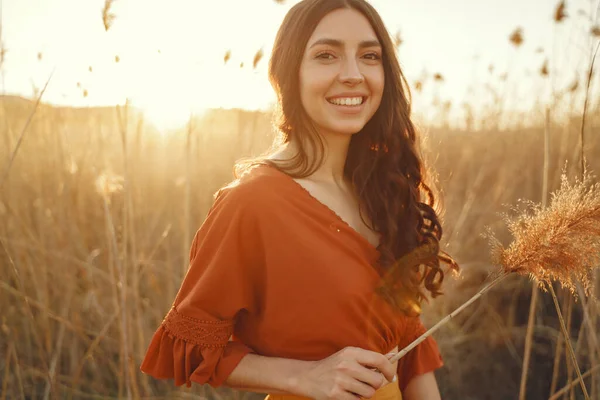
293	289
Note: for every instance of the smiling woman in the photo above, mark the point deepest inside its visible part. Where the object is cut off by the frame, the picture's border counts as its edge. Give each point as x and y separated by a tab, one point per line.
298	284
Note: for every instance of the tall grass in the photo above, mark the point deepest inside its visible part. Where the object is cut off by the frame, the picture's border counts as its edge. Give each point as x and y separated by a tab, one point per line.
96	208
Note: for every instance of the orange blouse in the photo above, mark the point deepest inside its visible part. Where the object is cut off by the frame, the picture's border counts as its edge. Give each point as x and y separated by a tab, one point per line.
273	271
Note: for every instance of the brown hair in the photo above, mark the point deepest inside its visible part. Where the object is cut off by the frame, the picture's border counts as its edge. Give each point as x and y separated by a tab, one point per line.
383	163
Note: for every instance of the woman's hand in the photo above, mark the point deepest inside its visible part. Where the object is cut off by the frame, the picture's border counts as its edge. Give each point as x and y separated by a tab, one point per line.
346	375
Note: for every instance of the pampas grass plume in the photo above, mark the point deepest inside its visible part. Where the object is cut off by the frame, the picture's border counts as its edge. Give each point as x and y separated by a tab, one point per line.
558	243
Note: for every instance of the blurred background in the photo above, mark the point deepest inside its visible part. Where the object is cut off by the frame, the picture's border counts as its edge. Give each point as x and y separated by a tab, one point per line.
120	119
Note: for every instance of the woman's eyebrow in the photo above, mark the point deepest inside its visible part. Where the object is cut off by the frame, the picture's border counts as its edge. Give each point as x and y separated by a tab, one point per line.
339	43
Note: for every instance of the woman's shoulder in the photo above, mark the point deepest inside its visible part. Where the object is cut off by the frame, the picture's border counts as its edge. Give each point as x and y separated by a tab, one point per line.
258	186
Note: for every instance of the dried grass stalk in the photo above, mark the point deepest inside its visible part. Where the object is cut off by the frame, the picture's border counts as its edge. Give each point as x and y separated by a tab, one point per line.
568	387
565	331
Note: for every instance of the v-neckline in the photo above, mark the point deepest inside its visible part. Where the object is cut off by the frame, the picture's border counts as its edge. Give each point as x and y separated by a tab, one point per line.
324	206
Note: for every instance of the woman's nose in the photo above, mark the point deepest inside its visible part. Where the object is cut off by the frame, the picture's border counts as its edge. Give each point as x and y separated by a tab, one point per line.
350	72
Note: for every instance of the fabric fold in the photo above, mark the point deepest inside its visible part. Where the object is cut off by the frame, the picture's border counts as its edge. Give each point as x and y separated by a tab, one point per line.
424	358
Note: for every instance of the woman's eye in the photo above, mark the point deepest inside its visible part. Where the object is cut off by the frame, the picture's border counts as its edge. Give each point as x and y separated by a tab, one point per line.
325	56
372	56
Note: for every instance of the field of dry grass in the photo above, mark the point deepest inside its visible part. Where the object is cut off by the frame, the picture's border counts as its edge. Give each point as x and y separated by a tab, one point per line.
98	211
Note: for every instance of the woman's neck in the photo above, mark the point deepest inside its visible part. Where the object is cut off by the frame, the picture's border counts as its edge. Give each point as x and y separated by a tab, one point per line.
331	171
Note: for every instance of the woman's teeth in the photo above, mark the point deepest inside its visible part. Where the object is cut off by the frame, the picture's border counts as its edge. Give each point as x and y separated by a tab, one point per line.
346	101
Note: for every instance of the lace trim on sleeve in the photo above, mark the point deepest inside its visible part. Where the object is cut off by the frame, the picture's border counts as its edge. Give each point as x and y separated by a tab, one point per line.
203	333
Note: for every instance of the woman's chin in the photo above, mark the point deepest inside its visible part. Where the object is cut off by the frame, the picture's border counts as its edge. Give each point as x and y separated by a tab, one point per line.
345	129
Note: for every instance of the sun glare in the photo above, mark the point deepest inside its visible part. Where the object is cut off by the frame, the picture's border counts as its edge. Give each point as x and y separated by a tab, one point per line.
167	116
171	99
170	64
191	73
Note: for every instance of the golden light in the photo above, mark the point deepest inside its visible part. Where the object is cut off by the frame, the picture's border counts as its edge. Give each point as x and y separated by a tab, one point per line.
184	73
177	60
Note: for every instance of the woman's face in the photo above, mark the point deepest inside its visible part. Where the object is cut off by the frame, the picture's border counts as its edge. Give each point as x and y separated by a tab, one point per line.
341	74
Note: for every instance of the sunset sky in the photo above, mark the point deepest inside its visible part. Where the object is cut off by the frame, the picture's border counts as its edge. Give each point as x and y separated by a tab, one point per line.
171	53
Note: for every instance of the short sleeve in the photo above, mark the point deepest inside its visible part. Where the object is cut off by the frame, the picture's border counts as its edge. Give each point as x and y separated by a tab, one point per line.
197	339
425	357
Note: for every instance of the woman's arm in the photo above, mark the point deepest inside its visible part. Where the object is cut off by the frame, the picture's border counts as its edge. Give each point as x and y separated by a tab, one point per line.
256	373
422	387
348	371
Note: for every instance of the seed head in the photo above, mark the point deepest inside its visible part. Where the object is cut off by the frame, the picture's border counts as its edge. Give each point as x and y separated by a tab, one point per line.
544	70
516	38
257	57
398	39
560	242
419	86
574	86
108	184
560	13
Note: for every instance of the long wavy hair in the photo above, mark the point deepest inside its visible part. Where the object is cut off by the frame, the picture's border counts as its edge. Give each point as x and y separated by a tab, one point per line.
383	162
